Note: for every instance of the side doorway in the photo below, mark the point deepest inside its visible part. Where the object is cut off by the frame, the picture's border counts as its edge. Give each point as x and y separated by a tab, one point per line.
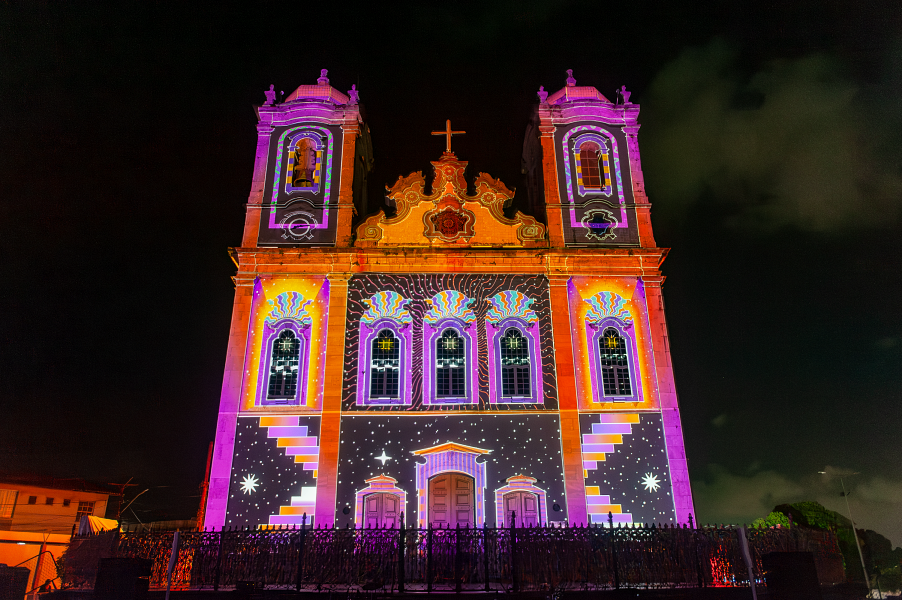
452	500
381	510
525	504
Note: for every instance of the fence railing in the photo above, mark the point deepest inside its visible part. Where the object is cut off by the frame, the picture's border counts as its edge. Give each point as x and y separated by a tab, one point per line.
489	558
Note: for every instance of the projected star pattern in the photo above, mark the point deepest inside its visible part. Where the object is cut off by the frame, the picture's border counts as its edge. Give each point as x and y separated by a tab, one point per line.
276	477
523	444
635	475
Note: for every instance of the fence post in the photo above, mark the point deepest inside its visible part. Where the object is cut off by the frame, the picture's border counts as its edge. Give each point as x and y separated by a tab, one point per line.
302	538
485	553
589	540
218	561
401	541
173	558
698	561
614	551
429	557
515	579
457	569
747	556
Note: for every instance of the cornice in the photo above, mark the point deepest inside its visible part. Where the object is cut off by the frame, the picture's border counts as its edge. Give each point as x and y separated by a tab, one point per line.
631	262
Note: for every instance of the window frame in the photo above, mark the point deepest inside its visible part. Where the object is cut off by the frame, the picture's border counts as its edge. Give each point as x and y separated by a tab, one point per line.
402	331
495	333
431	333
595	331
270	333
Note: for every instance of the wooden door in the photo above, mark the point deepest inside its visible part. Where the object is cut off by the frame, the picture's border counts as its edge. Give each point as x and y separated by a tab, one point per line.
381	510
452	500
526	504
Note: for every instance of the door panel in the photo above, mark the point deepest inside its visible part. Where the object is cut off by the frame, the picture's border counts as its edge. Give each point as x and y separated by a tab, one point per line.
526	504
381	510
452	500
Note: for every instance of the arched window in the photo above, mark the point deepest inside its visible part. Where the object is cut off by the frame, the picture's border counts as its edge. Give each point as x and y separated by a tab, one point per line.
514	364
615	370
385	365
304	163
450	365
589	154
283	370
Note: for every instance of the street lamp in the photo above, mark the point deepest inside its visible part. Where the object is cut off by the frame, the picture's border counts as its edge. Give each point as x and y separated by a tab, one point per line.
867	580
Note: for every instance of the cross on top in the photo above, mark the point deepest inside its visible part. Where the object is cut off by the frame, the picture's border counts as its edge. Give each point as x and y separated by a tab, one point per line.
448	133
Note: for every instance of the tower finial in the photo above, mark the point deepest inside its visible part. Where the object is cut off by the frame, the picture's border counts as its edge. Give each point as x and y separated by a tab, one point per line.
570	81
270	95
323	79
543	95
354	95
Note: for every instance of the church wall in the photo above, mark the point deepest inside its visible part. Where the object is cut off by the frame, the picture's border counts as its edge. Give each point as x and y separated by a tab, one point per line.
311	297
301	215
417	290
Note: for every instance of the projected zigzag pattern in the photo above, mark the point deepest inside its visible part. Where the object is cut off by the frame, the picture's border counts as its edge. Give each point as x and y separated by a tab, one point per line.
304	448
605	436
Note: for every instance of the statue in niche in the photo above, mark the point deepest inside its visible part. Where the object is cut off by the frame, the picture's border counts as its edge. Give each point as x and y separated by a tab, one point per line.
354	95
543	95
304	163
270	95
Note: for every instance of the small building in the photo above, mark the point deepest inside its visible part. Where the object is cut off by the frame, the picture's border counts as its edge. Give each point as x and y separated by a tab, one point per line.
40	513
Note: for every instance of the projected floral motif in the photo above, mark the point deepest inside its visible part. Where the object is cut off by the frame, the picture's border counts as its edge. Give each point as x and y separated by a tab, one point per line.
450	304
289	305
510	303
607	304
387	305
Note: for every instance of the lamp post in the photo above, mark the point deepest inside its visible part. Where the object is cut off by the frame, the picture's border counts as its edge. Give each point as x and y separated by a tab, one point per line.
867	580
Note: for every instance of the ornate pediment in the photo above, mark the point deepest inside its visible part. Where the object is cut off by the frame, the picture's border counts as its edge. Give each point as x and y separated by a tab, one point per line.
449	216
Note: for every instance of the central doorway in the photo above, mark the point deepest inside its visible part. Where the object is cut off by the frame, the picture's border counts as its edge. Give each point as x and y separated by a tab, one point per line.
381	510
452	500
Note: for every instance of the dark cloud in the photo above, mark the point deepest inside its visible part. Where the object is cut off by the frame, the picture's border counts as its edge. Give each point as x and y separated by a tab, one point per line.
724	497
792	142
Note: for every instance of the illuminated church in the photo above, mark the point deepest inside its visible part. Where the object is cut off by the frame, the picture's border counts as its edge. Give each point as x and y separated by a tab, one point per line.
445	362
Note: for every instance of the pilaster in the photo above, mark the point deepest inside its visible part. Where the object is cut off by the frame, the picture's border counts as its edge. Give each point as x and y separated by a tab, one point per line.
229	404
549	175
571	449
350	128
258	182
667	396
643	208
327	470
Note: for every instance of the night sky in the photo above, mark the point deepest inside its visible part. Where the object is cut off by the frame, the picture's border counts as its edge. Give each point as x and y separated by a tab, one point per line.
772	152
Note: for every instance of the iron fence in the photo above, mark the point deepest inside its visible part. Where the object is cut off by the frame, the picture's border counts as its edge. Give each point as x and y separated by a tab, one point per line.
489	558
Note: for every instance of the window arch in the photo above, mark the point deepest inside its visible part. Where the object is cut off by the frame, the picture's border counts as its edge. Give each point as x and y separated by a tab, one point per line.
450	365
515	367
284	366
385	367
589	158
613	358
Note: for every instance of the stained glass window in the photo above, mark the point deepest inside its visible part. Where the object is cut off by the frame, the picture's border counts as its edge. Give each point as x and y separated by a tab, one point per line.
283	369
588	160
514	364
615	370
304	163
385	366
450	362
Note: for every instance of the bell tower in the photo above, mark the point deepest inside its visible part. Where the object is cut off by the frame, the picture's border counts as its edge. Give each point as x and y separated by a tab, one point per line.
590	171
308	148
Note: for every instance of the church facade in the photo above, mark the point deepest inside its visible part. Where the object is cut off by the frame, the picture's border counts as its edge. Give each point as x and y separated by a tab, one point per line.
448	363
